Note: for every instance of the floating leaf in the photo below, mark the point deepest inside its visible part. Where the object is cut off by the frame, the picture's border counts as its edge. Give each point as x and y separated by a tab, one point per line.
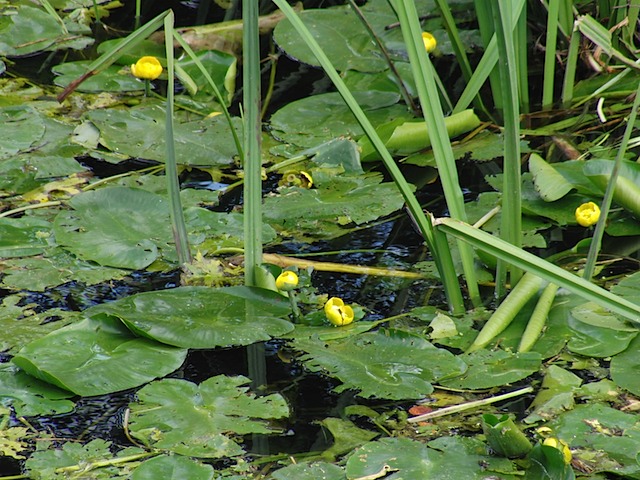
328	210
29	396
385	364
309	471
202	317
20	128
193	420
595	341
110	79
21	237
95	357
116	227
139	132
556	394
489	369
624	367
172	467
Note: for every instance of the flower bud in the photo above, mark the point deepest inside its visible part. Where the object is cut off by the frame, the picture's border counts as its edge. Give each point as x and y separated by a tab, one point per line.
287	281
430	42
587	214
147	68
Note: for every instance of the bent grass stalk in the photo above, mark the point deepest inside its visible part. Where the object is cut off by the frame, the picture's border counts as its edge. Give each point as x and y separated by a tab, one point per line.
540	267
538	318
525	290
435	241
171	169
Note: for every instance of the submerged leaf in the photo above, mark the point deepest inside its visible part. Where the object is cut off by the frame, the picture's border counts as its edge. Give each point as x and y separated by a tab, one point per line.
188	419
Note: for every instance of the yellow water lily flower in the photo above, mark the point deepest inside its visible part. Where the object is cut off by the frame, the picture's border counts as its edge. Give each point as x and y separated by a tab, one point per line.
337	312
560	445
147	68
287	281
587	214
430	42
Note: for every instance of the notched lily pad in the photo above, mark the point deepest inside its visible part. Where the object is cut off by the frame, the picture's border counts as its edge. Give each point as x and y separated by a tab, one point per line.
196	420
202	317
391	364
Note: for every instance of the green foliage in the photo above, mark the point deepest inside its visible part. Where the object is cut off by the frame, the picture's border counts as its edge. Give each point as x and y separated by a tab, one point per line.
182	417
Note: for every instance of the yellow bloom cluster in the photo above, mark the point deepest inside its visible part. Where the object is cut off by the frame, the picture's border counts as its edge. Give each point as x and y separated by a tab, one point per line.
337	312
587	214
147	68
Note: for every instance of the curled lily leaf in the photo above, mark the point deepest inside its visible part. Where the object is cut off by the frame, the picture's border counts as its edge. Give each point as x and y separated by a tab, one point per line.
287	281
337	312
147	68
430	42
587	214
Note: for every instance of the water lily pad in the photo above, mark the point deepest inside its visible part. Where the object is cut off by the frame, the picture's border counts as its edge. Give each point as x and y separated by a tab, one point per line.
624	367
111	79
20	128
320	118
139	132
605	439
21	237
385	364
489	369
327	211
116	227
29	396
196	420
172	467
95	357
310	471
550	184
597	341
202	317
341	36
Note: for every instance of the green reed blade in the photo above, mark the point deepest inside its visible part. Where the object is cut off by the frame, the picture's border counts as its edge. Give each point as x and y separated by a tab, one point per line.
423	73
252	161
511	220
216	91
550	54
442	256
171	169
570	69
539	267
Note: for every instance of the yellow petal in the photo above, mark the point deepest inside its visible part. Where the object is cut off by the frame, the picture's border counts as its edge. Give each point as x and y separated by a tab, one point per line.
147	68
337	312
287	281
429	41
587	214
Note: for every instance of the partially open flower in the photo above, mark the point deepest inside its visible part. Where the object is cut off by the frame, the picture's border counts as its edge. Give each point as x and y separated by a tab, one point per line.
287	281
560	445
147	68
430	42
587	214
337	312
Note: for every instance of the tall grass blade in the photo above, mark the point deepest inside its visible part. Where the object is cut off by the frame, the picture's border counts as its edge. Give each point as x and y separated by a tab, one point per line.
442	256
539	267
570	69
511	221
550	54
252	160
434	118
171	169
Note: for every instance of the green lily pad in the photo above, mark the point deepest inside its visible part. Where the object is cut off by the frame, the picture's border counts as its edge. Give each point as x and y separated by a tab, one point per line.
550	184
20	128
314	120
596	341
329	210
604	439
196	420
139	132
202	317
489	369
29	396
27	30
172	467
111	79
21	237
96	357
624	367
385	364
340	35
116	227
310	471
